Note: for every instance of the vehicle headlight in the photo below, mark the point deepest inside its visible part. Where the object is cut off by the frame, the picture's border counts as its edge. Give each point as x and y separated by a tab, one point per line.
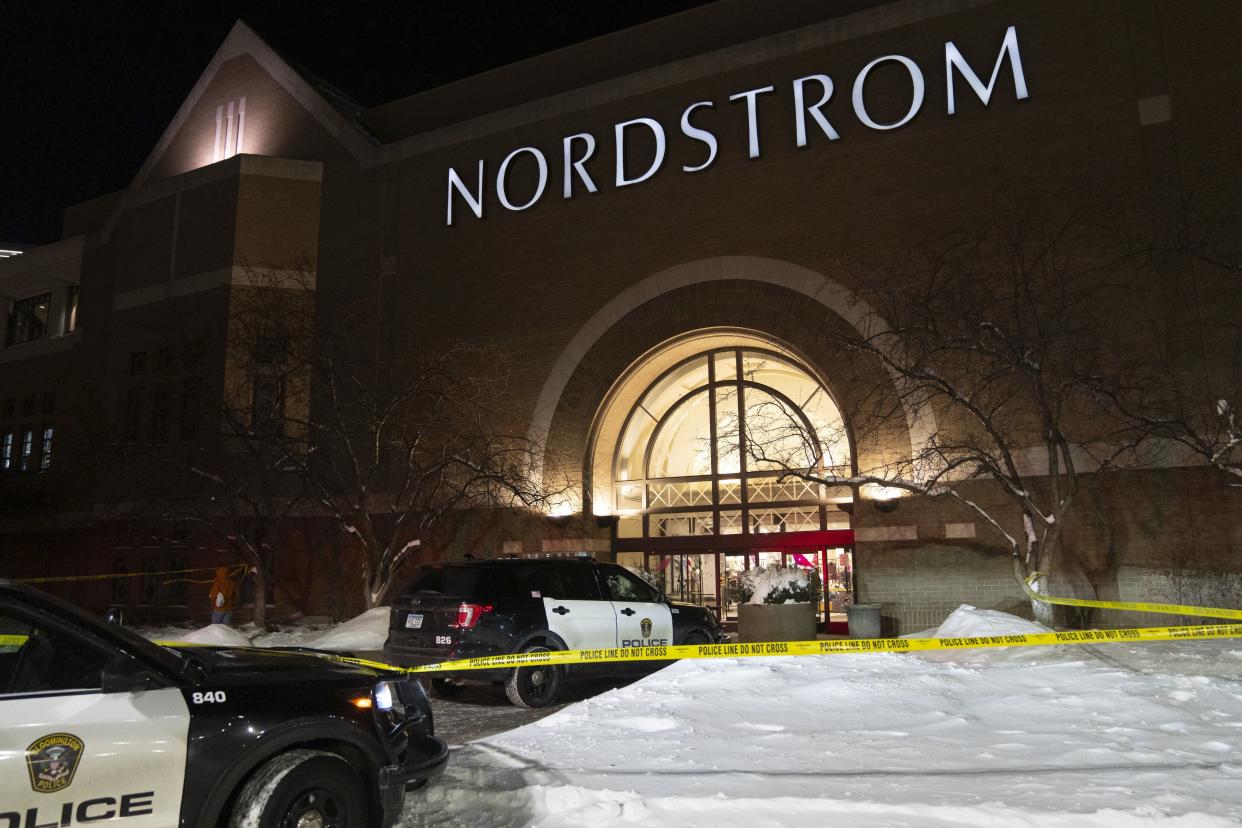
383	696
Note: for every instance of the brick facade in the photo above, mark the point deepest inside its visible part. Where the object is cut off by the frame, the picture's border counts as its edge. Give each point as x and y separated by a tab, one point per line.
577	290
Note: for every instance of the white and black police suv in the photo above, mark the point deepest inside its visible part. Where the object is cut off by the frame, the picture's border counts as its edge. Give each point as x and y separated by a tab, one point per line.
100	725
469	609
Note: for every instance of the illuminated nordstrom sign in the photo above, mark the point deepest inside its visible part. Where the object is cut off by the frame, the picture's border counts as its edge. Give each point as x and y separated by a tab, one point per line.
811	95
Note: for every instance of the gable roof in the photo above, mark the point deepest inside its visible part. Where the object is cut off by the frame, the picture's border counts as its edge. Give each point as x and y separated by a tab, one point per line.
334	111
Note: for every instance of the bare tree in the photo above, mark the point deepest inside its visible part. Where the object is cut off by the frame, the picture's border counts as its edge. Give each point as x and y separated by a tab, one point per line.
994	335
224	469
1181	392
399	446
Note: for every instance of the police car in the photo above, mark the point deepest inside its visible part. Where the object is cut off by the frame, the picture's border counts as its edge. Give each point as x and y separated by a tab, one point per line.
100	725
468	609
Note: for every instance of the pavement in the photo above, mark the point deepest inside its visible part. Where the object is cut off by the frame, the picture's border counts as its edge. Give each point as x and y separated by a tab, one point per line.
482	711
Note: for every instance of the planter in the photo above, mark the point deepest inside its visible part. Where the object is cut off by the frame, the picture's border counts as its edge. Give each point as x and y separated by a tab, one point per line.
775	622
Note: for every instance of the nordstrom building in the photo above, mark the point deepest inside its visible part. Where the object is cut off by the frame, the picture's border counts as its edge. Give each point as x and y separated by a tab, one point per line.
652	225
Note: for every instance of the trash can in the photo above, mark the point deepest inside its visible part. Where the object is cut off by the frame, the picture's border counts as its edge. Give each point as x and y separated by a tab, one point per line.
864	620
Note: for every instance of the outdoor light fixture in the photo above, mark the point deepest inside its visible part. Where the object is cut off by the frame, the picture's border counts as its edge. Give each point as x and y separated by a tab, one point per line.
883	498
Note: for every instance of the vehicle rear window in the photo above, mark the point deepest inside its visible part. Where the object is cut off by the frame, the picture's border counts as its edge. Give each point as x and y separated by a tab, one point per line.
447	580
525	581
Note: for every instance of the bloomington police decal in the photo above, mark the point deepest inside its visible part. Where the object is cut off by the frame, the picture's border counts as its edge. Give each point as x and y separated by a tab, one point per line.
52	761
646	627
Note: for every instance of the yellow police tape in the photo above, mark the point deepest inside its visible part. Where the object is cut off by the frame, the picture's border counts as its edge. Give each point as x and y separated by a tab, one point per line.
805	648
12	640
140	574
1131	606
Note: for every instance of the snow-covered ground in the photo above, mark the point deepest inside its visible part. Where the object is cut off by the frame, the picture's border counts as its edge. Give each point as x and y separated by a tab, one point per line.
1103	736
360	633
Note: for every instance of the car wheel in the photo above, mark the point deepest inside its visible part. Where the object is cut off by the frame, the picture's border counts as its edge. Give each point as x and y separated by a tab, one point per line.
696	637
302	789
535	686
445	689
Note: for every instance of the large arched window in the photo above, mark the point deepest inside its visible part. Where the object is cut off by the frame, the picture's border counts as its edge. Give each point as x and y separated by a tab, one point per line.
707	449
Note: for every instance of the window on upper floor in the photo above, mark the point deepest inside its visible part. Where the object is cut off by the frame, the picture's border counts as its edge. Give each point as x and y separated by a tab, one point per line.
45	448
135	406
137	363
161	414
268	413
191	400
7	439
28	319
26	460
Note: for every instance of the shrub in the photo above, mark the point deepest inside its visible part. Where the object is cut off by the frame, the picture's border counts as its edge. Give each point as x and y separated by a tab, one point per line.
774	584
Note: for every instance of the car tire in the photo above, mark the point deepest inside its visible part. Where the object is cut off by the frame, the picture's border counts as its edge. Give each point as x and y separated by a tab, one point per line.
444	689
302	783
532	687
696	637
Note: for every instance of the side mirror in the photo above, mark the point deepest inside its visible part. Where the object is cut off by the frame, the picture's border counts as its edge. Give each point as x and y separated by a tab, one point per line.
115	616
125	674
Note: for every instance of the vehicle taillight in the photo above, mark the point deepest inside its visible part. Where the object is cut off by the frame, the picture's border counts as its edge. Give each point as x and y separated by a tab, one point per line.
469	614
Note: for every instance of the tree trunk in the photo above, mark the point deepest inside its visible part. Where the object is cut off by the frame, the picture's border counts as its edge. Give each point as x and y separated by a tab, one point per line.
1041	610
259	616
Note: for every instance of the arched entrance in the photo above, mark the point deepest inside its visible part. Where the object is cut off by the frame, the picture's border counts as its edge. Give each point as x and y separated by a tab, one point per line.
694	504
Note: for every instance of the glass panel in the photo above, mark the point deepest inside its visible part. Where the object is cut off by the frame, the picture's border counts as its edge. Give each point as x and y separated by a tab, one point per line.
808	395
630	526
667	495
726	366
730	521
829	427
839	580
629	496
728	457
674	386
730	491
773	489
793	519
633	560
629	464
690	578
682	525
776	437
837	520
682	445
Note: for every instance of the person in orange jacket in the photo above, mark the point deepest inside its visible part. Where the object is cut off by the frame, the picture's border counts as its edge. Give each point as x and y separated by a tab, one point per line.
223	596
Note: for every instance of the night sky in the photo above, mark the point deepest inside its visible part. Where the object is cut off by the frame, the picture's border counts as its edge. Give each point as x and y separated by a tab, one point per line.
87	88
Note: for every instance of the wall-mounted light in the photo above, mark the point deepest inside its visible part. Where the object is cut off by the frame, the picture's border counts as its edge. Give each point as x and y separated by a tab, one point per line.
883	498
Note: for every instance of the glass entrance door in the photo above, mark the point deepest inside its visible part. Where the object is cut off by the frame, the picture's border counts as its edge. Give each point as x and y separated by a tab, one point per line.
839	587
691	577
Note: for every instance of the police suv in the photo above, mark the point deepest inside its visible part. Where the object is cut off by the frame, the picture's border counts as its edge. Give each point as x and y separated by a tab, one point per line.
100	725
468	609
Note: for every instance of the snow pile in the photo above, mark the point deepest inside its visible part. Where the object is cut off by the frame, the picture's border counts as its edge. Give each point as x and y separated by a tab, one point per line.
216	635
970	622
1102	736
363	632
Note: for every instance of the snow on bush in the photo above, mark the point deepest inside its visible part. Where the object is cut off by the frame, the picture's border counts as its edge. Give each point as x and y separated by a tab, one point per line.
775	584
